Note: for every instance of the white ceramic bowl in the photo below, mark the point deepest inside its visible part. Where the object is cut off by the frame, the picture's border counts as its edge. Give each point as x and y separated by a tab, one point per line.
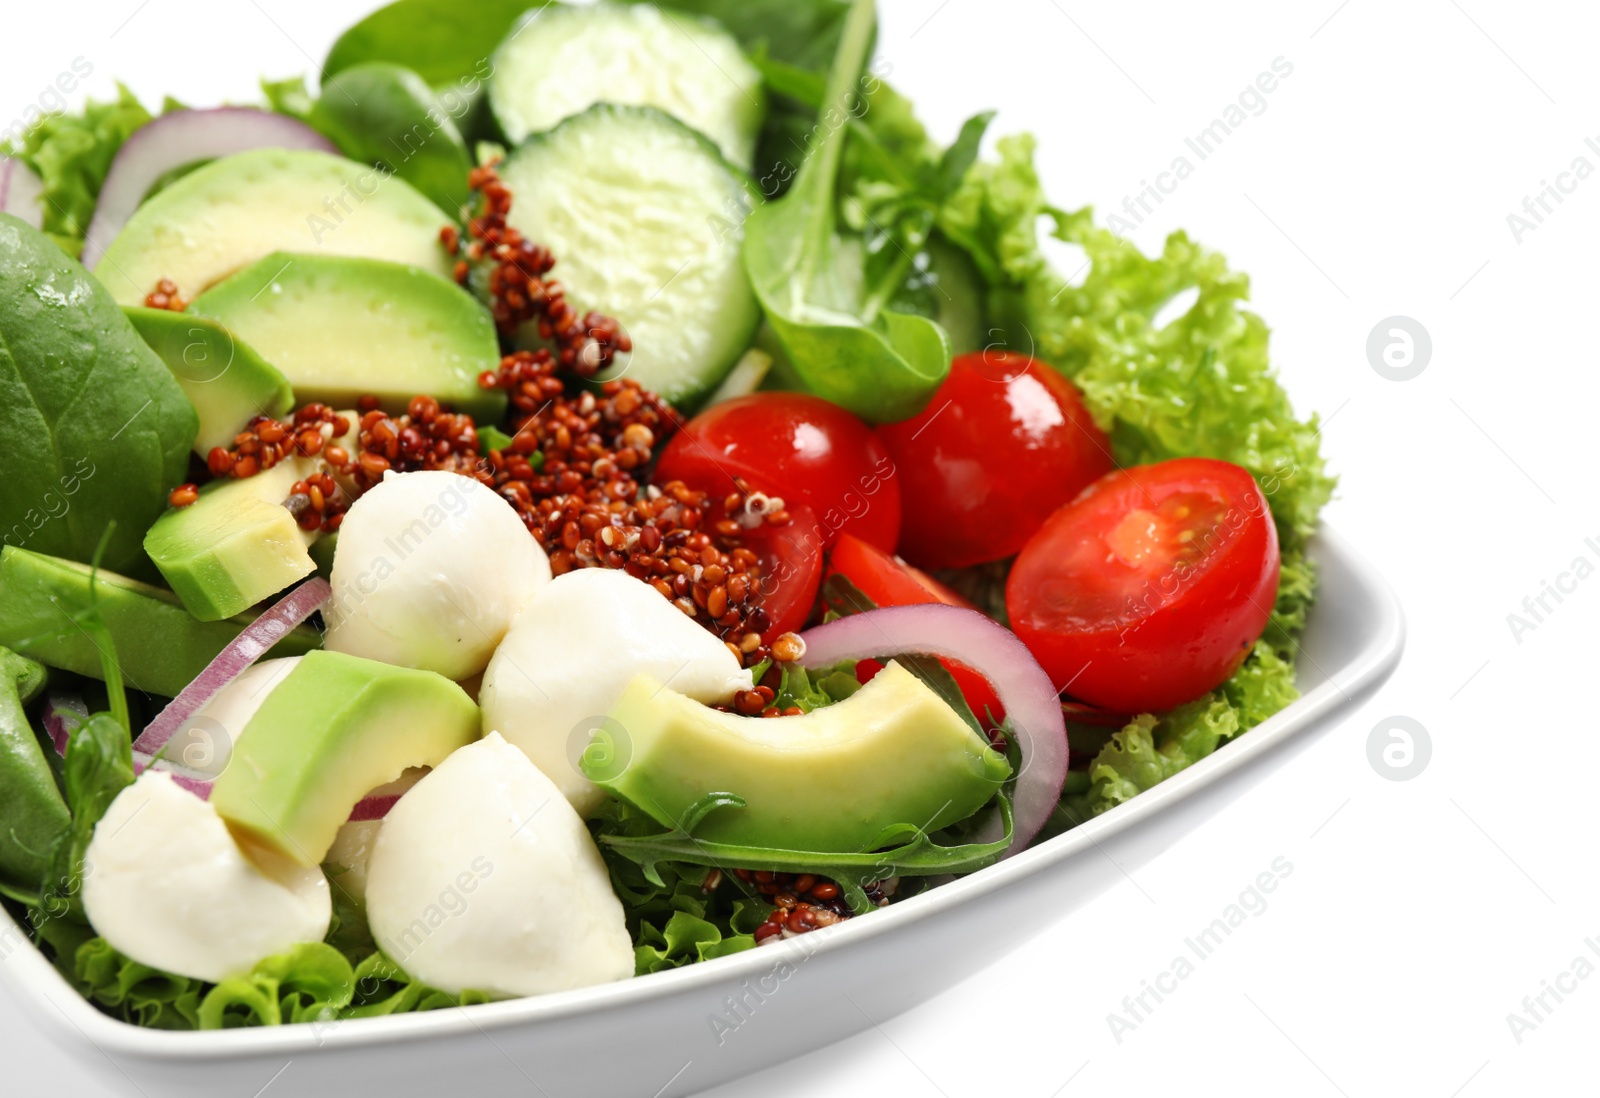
661	1035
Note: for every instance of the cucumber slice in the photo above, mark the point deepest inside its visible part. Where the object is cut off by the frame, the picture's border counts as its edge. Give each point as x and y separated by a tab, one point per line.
563	59
646	221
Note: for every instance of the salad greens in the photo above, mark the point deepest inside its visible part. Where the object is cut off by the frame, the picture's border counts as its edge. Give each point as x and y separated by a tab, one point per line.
831	312
444	41
94	427
35	810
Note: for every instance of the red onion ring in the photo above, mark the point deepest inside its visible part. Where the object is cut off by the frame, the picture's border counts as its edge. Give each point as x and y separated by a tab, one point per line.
180	138
19	192
966	636
253	642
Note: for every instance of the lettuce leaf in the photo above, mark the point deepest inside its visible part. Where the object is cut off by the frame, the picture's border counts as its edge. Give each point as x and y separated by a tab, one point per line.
1200	386
71	154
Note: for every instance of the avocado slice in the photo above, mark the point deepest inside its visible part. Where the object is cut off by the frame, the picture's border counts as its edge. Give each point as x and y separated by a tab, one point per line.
830	780
167	645
233	211
226	381
340	328
236	545
336	728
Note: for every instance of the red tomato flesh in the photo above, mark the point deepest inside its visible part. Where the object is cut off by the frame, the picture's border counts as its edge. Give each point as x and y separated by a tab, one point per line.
791	573
1004	442
1151	587
889	581
800	448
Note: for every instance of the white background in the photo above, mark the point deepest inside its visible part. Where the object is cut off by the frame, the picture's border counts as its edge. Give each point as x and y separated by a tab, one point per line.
1377	182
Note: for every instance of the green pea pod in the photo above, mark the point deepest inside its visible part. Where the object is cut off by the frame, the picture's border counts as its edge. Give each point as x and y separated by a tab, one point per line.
845	342
32	814
387	115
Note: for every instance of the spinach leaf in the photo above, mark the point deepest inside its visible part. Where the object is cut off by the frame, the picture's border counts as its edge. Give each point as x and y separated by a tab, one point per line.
446	42
387	115
842	340
93	427
804	34
32	814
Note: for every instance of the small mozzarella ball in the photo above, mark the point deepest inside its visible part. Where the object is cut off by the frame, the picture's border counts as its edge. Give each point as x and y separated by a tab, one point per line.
165	883
205	742
483	877
429	572
572	652
431	568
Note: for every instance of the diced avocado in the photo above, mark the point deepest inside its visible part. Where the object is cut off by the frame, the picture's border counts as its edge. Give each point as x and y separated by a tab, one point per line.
336	728
161	647
831	780
225	380
235	210
340	328
236	545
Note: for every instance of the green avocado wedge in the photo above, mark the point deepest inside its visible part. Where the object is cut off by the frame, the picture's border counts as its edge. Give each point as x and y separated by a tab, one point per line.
226	381
224	216
93	428
333	730
832	780
167	646
340	328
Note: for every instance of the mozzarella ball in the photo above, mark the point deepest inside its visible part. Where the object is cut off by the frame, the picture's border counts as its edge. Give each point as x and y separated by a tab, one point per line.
483	877
205	742
429	571
165	884
572	652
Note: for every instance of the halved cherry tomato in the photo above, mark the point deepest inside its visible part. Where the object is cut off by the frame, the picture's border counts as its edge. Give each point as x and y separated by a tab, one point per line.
791	573
1005	441
889	581
1150	588
797	447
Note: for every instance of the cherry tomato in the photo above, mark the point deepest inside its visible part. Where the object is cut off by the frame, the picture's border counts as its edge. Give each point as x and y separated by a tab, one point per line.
797	447
1150	588
889	581
1005	441
791	573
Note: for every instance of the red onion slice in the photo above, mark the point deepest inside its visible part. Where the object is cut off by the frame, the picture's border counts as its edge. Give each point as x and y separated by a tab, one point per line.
20	191
253	642
180	138
57	709
955	633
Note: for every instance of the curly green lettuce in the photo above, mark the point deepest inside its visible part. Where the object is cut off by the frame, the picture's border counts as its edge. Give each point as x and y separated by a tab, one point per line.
1202	385
71	154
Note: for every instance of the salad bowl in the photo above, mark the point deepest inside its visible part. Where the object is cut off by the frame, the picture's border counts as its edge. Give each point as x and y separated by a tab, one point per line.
678	1032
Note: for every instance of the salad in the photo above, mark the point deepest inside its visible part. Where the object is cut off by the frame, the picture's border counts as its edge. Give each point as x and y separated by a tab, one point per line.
588	491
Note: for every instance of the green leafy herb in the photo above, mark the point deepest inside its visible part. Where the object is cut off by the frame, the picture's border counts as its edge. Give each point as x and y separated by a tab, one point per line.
94	427
445	42
71	154
33	815
288	97
842	338
387	115
809	690
99	765
901	850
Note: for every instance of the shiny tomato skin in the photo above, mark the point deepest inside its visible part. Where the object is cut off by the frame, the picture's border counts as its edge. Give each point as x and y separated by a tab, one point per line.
889	581
1151	587
791	575
798	447
1004	442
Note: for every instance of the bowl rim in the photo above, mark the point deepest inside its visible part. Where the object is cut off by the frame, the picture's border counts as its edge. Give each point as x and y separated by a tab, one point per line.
31	977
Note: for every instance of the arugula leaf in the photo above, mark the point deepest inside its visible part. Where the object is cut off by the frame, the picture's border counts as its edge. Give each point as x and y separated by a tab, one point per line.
94	427
901	850
71	154
842	339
